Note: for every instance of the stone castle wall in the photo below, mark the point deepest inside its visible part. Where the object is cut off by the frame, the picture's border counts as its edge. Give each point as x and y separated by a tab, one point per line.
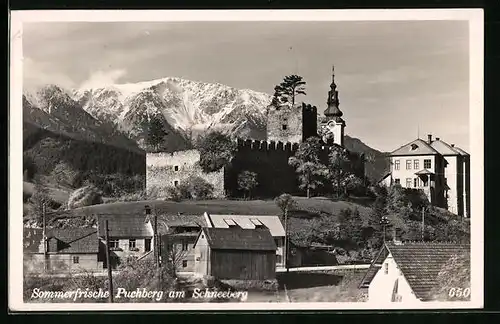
164	170
291	124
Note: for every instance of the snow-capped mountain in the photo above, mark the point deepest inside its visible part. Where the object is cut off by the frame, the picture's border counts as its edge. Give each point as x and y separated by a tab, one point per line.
188	107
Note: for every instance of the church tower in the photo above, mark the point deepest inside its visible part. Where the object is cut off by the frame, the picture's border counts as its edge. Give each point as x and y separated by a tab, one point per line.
332	125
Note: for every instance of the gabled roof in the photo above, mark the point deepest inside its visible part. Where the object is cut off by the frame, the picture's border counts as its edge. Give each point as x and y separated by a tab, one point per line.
236	238
124	226
183	220
419	262
444	148
71	240
416	147
462	152
273	223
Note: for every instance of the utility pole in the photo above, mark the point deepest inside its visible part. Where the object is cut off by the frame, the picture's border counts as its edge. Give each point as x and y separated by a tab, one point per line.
384	222
110	274
286	239
423	223
44	237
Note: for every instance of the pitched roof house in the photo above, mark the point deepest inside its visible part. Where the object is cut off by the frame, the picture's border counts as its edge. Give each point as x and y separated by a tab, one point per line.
408	272
69	249
236	253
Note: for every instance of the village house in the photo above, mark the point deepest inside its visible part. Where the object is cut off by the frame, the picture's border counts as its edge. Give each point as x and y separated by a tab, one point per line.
65	250
408	272
439	169
235	253
272	223
130	236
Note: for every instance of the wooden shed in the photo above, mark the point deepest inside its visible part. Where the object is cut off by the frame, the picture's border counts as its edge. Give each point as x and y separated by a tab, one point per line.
235	253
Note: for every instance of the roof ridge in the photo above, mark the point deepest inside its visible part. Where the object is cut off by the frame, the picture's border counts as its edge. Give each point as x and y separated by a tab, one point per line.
418	139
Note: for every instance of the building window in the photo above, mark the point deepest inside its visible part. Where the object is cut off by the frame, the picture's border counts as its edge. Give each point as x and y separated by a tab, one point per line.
131	244
184	263
230	222
147	245
386	268
185	246
416	164
283	126
176	168
408	182
415	182
427	163
176	183
397	181
76	259
396	165
408	164
114	244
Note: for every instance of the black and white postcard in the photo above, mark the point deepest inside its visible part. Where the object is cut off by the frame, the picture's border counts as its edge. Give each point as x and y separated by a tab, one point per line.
246	160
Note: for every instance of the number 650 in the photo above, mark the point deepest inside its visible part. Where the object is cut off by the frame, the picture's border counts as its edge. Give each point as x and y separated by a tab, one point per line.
459	292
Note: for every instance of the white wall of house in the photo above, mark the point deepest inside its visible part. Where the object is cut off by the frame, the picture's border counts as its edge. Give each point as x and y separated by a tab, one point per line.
452	179
202	256
124	250
382	286
416	163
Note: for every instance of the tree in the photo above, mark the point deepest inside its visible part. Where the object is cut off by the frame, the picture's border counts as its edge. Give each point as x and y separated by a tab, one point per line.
397	202
198	188
174	254
306	161
247	181
155	134
216	151
339	169
286	203
288	89
40	201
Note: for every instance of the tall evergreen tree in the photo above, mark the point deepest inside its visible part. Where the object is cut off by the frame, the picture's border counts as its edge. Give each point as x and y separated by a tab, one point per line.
288	89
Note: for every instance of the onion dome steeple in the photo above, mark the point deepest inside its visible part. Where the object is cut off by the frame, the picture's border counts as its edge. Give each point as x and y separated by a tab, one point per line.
333	110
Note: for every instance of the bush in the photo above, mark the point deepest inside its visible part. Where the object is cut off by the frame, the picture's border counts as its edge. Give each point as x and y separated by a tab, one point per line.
198	188
174	193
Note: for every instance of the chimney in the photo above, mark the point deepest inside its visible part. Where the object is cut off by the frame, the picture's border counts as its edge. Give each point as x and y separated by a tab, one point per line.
452	145
437	138
429	138
395	237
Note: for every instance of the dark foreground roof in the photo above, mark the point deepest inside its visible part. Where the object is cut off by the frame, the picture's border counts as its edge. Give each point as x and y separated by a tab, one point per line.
240	239
71	240
419	262
128	225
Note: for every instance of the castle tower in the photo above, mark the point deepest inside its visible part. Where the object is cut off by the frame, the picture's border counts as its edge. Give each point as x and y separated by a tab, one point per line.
293	124
332	125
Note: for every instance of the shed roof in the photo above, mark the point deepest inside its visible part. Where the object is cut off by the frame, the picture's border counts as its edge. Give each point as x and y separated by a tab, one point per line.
419	262
273	223
129	225
236	238
416	147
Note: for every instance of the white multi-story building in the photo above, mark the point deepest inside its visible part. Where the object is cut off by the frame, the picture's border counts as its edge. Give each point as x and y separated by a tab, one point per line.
440	169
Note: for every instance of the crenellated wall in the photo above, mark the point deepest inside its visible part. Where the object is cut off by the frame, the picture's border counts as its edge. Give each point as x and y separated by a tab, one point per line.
164	170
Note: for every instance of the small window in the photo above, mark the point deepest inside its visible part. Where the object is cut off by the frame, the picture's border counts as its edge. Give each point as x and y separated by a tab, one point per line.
427	164
256	222
184	263
202	236
76	259
415	182
396	165
113	244
147	245
230	222
176	168
131	244
408	164
416	164
284	126
397	181
176	183
185	246
408	182
386	268
414	147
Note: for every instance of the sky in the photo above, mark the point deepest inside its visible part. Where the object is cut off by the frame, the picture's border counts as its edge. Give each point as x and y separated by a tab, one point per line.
396	79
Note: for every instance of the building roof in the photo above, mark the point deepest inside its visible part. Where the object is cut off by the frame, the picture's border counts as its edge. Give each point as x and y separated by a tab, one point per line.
462	152
236	238
416	147
129	225
273	223
72	240
444	148
419	262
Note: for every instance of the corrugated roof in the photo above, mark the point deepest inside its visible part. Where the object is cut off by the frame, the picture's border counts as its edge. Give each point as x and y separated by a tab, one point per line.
416	147
130	225
444	148
236	238
421	263
273	223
